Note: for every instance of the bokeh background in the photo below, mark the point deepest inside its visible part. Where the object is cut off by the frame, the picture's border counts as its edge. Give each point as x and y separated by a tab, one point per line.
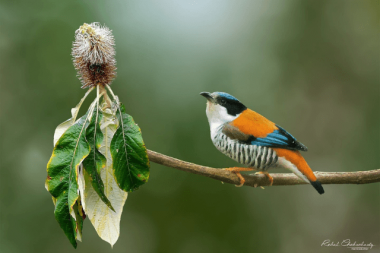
310	66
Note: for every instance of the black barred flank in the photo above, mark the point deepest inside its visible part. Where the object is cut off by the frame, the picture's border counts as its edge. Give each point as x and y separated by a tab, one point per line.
251	155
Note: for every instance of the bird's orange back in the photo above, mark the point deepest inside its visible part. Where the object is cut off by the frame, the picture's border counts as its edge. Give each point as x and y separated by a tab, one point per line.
250	122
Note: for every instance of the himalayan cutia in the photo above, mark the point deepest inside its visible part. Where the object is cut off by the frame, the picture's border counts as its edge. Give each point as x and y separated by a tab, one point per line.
252	140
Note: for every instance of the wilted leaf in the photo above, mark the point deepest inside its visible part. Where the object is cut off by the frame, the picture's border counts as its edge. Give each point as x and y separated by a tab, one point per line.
105	221
95	161
70	150
129	155
79	217
61	128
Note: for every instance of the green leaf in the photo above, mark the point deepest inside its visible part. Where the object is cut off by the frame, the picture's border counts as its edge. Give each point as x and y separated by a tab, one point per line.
129	155
95	161
70	150
105	221
61	128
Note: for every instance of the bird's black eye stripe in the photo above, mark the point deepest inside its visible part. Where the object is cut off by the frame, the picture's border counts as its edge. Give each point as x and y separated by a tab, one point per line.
233	106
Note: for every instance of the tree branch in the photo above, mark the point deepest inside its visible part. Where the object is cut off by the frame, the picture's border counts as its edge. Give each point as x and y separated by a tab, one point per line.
358	177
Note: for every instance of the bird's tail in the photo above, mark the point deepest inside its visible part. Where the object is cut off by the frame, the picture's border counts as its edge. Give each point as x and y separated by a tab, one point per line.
318	186
294	161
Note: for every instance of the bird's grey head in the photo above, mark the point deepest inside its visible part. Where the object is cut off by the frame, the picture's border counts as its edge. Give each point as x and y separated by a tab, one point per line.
222	108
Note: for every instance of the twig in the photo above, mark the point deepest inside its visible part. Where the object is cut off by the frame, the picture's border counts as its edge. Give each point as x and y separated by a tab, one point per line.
357	177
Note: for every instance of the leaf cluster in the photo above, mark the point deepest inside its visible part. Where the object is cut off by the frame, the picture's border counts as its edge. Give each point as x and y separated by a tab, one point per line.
97	159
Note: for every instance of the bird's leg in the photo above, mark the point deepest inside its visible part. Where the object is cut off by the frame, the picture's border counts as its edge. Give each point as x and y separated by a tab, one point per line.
237	170
270	178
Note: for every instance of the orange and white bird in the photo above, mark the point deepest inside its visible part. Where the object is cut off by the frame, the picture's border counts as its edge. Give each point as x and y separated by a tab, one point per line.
252	140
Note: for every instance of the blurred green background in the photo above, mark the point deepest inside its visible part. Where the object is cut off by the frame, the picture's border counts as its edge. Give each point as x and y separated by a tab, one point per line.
310	66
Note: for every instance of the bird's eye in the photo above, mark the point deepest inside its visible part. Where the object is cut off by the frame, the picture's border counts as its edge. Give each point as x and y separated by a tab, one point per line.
223	101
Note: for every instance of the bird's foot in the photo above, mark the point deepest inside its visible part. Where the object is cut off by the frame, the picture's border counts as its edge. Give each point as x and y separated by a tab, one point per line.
237	170
270	178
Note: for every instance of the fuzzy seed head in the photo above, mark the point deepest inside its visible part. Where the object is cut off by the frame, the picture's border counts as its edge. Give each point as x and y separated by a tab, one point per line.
94	55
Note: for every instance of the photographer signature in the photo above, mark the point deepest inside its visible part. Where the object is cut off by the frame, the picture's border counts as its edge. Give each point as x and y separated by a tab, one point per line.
349	244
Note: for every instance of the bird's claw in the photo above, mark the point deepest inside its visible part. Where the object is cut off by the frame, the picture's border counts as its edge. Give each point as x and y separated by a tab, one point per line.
270	178
237	170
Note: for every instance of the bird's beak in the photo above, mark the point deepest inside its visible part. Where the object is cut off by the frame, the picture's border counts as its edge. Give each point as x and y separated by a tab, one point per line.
207	95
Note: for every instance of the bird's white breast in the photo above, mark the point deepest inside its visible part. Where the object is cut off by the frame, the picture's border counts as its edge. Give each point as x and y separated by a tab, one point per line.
217	116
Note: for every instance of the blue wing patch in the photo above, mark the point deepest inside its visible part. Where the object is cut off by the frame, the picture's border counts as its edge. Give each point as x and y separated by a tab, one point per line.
279	139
